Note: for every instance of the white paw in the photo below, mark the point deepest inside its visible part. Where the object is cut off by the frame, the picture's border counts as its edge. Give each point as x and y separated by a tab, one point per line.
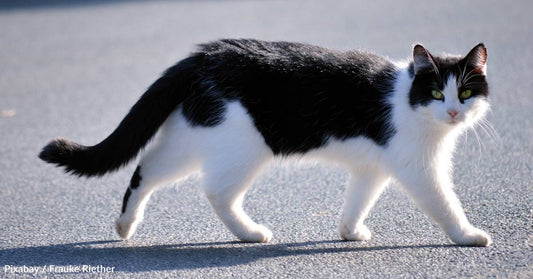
472	237
125	227
360	233
259	233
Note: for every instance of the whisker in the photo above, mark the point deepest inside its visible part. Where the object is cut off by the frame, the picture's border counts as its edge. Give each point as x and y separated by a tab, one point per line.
493	130
466	75
479	143
489	130
470	77
473	82
437	72
465	142
464	71
460	73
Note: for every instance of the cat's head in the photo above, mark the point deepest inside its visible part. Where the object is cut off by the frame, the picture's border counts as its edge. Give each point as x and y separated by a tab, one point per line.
447	90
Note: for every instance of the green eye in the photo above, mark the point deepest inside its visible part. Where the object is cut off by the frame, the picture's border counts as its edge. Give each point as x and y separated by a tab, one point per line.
466	94
437	95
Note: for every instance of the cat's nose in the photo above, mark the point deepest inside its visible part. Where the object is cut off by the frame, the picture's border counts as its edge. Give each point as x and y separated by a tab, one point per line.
452	112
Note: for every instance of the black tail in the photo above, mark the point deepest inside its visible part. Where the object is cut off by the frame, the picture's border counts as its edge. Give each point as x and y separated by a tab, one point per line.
131	135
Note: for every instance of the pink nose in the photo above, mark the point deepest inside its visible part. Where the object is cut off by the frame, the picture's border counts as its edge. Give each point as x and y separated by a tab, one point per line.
452	113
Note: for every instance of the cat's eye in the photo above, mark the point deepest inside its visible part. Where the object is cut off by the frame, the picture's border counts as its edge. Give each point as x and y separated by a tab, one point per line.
437	95
466	94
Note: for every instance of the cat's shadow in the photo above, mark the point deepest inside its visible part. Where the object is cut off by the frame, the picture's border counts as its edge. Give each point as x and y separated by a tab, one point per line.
127	257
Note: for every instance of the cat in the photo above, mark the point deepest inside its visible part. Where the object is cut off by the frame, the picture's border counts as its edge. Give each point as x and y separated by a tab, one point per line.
234	104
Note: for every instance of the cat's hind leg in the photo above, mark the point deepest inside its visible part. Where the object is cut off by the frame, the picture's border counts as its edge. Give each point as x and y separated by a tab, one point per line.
237	153
167	160
362	192
133	205
142	185
225	190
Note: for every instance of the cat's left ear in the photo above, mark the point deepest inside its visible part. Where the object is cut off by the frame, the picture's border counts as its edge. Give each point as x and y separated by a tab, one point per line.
477	58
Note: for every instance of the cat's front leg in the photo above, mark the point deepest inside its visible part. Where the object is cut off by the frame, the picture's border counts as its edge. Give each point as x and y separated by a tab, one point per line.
431	189
362	192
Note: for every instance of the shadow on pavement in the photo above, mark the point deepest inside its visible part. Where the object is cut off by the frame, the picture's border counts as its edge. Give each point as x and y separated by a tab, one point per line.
177	257
38	4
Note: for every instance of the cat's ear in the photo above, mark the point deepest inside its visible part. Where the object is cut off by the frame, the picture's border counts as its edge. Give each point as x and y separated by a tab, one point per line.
422	60
477	58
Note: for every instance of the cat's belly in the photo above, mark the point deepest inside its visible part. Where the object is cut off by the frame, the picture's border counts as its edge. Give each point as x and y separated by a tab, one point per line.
359	152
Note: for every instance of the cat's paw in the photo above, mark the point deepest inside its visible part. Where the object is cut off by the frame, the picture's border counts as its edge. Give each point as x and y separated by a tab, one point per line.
360	233
472	237
125	227
259	233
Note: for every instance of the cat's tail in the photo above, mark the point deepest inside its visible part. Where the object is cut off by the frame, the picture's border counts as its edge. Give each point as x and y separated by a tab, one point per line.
131	135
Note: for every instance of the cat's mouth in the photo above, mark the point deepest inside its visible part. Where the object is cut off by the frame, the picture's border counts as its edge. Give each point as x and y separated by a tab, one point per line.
453	121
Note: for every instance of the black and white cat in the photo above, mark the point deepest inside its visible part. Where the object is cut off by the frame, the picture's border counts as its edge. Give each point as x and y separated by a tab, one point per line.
233	105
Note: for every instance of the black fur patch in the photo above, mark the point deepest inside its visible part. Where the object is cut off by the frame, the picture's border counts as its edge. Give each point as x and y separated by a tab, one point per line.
134	184
298	95
125	200
136	178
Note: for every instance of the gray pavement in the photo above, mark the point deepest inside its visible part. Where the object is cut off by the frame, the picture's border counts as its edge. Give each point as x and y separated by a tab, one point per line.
74	69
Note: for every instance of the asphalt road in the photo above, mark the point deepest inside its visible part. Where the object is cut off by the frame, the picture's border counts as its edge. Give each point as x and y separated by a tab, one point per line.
74	69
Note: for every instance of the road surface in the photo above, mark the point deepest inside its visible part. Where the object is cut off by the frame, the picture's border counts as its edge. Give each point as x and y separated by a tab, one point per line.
74	69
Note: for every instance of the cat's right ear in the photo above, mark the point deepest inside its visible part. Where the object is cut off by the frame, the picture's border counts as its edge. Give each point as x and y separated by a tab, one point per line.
422	60
477	58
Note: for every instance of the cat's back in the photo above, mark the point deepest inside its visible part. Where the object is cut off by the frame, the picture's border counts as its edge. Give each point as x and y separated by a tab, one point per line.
291	56
259	49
